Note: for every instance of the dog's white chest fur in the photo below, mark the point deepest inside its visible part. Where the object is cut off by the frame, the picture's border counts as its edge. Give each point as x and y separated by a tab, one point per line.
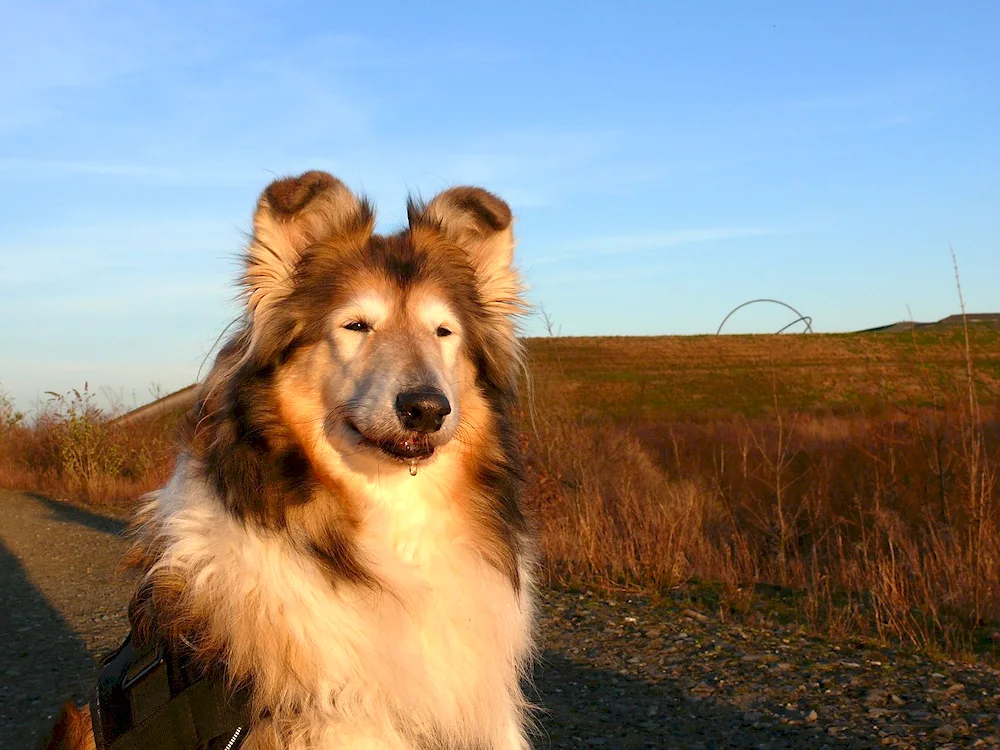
434	652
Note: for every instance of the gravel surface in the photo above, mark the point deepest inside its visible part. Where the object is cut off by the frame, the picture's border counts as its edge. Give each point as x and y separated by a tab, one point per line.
616	672
62	604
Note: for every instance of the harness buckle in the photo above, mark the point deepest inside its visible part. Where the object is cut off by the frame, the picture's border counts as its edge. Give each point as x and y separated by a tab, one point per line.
140	669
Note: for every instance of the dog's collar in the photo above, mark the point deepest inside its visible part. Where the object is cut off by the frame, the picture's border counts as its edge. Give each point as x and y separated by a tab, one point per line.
149	695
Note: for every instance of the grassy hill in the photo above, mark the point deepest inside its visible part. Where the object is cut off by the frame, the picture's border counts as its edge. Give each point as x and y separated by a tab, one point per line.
697	377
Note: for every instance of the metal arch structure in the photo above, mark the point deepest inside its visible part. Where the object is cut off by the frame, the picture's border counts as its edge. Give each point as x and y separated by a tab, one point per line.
801	319
807	319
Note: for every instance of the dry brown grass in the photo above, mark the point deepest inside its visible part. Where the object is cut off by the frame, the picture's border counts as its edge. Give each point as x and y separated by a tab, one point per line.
72	449
884	521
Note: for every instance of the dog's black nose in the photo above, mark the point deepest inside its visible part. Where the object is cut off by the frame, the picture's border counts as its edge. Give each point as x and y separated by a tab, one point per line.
422	410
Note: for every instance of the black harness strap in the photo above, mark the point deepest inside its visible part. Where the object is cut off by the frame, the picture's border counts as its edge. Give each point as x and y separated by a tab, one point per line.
150	697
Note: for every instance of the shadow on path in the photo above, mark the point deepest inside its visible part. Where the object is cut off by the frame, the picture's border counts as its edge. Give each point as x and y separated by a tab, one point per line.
586	707
80	516
40	657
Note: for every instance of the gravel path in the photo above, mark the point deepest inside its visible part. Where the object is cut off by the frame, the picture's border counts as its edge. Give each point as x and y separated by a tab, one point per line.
616	672
62	604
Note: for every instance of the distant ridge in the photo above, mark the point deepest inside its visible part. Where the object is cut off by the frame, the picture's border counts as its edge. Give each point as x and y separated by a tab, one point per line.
952	321
178	400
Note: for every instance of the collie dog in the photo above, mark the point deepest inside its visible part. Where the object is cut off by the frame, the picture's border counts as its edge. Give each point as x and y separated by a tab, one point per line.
344	529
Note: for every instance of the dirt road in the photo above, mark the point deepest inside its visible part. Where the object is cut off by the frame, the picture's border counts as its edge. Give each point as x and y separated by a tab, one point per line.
615	672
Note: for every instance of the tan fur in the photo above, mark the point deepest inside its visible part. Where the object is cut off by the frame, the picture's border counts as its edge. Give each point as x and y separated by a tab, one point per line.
72	731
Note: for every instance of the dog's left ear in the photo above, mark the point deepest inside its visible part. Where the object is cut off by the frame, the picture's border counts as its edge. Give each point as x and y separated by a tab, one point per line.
482	225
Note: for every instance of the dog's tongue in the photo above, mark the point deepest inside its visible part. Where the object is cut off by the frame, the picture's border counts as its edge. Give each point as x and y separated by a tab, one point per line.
413	448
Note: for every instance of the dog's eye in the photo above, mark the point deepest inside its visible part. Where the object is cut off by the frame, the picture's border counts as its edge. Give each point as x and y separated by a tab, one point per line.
358	325
442	331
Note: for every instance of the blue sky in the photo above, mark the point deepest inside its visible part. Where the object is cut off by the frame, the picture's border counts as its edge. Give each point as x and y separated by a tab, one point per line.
666	161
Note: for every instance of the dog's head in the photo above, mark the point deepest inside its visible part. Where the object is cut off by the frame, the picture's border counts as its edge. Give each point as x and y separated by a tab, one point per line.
383	339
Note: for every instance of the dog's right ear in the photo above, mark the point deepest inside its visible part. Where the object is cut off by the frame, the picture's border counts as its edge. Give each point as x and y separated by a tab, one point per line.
293	214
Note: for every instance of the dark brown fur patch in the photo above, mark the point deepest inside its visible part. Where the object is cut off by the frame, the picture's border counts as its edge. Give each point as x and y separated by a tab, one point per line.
292	194
502	484
248	455
335	553
486	212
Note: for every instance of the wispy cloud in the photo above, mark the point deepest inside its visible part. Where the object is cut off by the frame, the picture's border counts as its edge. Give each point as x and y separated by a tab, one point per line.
827	103
139	297
626	244
188	174
878	93
19	166
62	47
603	276
885	103
57	257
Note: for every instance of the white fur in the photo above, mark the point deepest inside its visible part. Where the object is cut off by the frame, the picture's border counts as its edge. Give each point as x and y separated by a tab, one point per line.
437	651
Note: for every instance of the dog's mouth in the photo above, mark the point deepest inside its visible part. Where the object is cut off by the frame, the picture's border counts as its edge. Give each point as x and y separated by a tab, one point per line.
407	448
